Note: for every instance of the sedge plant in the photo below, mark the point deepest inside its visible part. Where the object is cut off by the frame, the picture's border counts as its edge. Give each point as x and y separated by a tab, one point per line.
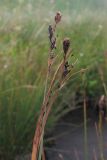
55	80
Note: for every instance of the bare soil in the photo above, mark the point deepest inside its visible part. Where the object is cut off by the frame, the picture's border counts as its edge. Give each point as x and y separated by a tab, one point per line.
70	143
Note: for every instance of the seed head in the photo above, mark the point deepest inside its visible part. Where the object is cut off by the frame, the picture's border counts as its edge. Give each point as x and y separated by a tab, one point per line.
66	45
58	17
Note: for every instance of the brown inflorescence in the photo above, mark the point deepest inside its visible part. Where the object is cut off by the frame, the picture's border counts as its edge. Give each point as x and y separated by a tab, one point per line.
52	38
66	45
50	30
66	70
58	17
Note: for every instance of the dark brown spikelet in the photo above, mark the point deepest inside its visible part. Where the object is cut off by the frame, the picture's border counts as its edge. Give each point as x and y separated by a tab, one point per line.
58	17
66	69
66	45
50	30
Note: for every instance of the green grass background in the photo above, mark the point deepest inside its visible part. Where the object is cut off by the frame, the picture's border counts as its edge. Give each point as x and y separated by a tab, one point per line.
23	63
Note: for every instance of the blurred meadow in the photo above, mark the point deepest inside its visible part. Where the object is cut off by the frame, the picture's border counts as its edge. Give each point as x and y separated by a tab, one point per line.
23	63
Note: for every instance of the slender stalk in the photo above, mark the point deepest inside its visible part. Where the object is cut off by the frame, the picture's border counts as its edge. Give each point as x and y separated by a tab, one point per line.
43	155
85	128
85	117
94	154
101	136
41	144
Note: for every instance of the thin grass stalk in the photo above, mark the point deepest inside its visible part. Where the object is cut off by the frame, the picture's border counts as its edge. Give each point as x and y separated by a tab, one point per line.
41	145
85	129
73	74
85	119
100	115
102	79
94	154
43	155
103	83
99	136
40	149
